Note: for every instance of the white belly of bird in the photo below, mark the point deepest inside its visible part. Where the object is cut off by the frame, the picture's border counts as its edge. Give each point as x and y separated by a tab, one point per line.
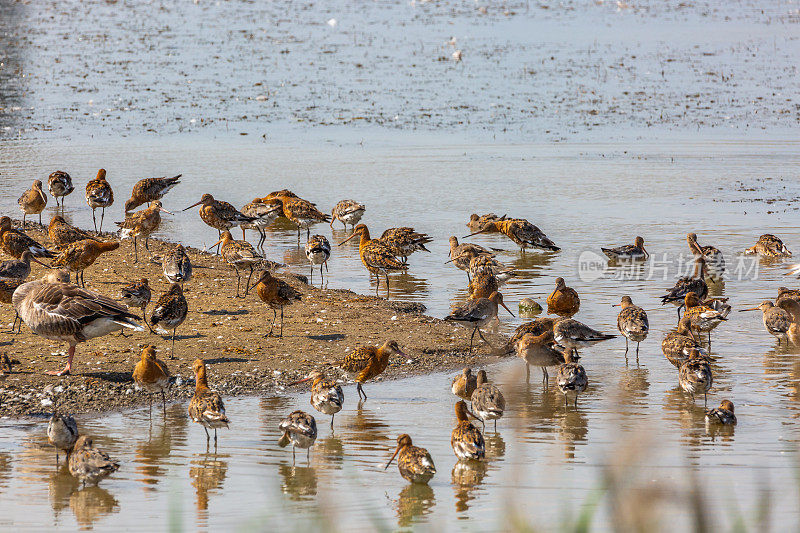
300	440
327	407
488	414
102	326
352	217
317	258
156	386
464	451
306	222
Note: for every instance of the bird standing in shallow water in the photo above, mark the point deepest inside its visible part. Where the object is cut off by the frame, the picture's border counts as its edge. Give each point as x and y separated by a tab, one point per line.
88	464
238	254
137	294
563	301
466	440
570	333
571	378
477	314
487	401
33	201
769	245
479	222
522	232
461	255
326	395
376	256
62	433
722	414
414	463
206	407
302	212
694	283
60	185
627	252
713	258
677	345
702	317
632	323
264	212
142	224
369	362
539	350
219	215
152	376
299	429
150	190
66	313
405	241
170	312
276	294
777	321
347	212
318	251
464	384
695	376
99	194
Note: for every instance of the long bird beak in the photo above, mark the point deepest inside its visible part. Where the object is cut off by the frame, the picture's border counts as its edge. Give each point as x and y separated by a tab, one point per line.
213	245
191	206
507	309
397	450
470	413
751	309
616	305
347	239
450	261
299	380
471	234
36	260
170	212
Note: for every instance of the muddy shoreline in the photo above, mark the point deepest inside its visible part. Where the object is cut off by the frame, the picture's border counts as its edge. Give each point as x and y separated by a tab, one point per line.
227	332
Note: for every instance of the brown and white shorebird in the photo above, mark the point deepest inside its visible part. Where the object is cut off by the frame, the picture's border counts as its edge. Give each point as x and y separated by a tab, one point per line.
483	262
142	224
695	283
570	333
67	313
62	234
277	294
722	414
149	190
347	212
703	317
99	195
62	433
539	350
632	323
263	211
60	185
477	222
461	255
488	403
80	255
404	241
89	464
677	345
152	376
18	269
300	430
326	394
793	308
571	377
33	201
769	245
170	312
477	314
464	384
628	252
219	215
466	440
302	212
522	232
137	294
482	284
714	260
14	242
563	301
535	327
376	256
414	463
777	321
695	376
368	362
787	293
318	251
206	407
238	254
176	265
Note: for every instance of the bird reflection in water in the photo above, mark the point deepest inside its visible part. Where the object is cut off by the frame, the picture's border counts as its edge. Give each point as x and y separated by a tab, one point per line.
151	454
467	476
633	388
60	486
364	426
405	284
495	445
414	502
92	503
208	472
5	468
723	432
573	426
329	453
298	482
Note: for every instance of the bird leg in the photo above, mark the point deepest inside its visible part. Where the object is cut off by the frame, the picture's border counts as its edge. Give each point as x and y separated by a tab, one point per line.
102	216
281	322
172	353
274	318
150	398
361	391
238	280
332	421
220	238
135	251
470	339
545	375
484	338
164	402
527	373
94	219
293	456
67	369
626	345
208	437
244	237
247	285
387	285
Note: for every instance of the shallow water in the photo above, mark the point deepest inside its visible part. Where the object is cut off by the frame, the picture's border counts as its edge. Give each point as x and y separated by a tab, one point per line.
547	461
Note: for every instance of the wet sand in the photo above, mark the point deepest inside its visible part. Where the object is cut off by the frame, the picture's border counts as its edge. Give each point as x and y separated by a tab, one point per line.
227	332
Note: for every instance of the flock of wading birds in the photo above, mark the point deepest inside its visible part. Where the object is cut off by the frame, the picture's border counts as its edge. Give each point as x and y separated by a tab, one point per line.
55	309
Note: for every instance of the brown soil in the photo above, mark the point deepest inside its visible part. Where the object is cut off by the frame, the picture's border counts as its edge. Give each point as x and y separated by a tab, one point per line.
227	332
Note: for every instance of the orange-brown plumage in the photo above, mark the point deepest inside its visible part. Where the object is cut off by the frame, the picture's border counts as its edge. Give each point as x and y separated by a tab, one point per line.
404	241
239	254
218	214
60	185
464	384
369	362
678	345
80	255
376	256
149	190
414	463
170	311
99	194
276	294
326	394
206	407
477	223
264	211
563	301
89	464
466	440
302	212
522	232
151	374
62	234
769	245
142	223
33	201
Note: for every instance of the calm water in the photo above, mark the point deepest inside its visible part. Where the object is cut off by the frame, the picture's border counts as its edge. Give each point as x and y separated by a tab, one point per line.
546	462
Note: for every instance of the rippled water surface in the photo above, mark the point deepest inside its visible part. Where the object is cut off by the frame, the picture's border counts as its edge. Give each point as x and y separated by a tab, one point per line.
546	463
